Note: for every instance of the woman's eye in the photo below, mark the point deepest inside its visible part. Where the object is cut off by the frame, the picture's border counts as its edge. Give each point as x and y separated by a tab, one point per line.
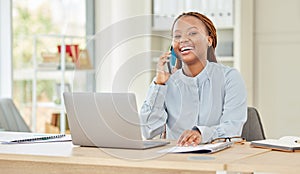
177	36
192	33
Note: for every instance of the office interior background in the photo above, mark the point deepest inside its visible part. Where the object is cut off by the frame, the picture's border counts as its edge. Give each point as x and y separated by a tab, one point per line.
122	41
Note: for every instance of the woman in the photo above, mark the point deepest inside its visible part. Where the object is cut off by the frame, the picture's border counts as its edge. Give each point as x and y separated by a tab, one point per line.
201	101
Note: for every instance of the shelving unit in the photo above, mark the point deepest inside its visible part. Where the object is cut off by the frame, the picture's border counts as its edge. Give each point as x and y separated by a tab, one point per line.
60	74
223	13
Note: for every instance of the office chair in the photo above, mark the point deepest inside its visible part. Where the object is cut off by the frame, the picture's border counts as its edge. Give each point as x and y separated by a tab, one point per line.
10	117
253	129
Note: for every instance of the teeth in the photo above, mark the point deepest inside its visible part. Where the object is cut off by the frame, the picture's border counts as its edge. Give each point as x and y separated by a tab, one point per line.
186	48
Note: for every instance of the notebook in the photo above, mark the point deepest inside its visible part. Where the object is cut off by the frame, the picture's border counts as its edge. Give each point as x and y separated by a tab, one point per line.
105	120
202	148
28	138
286	143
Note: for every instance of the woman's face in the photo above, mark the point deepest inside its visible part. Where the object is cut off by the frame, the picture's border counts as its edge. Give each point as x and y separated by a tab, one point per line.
190	39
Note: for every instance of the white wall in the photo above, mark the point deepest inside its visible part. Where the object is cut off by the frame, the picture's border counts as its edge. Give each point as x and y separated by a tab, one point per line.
245	44
123	60
276	65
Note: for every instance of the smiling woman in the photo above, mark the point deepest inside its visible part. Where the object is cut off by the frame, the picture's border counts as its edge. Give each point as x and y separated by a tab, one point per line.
201	101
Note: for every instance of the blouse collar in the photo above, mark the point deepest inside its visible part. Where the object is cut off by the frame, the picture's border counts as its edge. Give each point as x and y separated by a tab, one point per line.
198	79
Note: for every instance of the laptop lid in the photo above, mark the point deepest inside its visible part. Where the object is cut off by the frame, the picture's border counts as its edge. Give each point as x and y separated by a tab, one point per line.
104	120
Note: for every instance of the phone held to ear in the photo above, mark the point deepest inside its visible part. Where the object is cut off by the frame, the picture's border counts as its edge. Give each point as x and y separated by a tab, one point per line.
172	61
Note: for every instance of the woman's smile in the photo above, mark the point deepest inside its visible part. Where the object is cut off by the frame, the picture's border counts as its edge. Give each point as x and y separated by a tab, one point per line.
186	50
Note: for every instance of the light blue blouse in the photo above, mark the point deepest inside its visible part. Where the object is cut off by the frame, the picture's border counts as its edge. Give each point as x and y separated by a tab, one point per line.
215	102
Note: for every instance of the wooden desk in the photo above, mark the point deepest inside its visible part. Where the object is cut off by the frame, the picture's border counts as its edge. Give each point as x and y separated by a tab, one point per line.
271	162
64	157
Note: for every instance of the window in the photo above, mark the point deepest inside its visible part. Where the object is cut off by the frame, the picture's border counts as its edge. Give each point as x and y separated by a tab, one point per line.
31	17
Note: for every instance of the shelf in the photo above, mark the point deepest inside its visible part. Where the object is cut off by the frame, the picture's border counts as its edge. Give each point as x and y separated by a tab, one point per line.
47	74
220	12
49	105
66	70
56	67
69	77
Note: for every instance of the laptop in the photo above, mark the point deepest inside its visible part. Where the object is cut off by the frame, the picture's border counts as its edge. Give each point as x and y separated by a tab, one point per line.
105	120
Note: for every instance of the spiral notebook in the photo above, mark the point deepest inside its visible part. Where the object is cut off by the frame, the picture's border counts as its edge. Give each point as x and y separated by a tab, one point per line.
39	139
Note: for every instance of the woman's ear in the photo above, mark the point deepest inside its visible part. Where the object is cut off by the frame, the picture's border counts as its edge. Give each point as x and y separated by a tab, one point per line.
210	41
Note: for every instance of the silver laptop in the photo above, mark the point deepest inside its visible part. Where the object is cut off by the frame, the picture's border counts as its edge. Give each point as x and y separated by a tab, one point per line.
105	120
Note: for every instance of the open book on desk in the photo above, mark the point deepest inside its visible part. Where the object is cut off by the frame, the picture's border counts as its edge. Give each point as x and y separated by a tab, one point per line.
286	143
34	138
201	148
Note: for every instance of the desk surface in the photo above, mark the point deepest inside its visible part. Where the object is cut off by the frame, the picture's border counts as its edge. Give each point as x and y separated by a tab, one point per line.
271	162
65	157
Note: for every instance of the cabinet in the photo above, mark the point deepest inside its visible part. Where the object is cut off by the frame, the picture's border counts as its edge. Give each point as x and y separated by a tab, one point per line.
69	70
223	13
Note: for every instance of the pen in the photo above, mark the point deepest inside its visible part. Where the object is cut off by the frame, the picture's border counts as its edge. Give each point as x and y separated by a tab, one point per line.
297	141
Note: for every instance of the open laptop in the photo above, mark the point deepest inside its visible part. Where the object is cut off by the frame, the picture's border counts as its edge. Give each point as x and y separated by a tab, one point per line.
105	120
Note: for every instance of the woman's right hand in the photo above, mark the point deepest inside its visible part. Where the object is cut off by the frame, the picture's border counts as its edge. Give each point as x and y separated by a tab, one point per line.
162	76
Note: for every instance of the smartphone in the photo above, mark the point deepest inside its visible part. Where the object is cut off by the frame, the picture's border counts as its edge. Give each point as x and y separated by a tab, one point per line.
172	61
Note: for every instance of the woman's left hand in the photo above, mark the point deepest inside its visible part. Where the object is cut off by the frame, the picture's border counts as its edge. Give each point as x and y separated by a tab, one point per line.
189	137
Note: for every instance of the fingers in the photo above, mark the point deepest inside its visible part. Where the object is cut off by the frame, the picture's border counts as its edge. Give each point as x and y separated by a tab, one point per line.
174	70
178	65
163	60
189	137
161	75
